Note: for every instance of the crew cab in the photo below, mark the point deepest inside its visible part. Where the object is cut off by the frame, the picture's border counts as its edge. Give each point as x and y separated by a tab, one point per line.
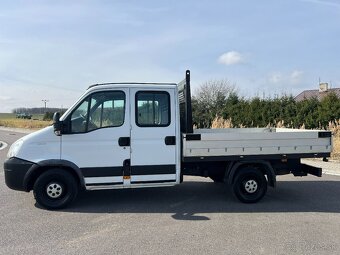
136	135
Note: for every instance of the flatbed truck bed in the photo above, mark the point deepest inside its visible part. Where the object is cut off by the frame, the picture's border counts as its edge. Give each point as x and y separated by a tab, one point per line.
250	143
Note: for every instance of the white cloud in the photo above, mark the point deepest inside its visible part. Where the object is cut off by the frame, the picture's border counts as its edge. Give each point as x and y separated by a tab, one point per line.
231	58
323	2
5	98
275	78
295	76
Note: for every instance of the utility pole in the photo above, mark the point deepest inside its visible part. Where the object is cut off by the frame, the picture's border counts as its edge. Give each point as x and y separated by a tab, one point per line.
45	102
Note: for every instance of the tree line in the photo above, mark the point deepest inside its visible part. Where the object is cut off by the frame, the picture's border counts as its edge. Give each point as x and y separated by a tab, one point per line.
221	99
35	110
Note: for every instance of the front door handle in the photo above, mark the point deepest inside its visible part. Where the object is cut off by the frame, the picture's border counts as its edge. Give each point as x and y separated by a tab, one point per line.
124	141
170	140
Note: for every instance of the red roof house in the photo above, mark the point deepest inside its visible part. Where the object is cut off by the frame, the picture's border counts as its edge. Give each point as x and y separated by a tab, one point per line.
317	93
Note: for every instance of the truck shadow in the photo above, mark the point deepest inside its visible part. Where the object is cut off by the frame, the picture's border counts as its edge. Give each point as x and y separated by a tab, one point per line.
195	200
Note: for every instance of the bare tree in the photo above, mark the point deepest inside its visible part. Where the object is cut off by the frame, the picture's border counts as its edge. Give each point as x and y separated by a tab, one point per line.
209	100
211	92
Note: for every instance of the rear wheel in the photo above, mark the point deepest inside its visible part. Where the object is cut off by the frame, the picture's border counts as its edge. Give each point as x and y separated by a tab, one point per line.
250	185
55	189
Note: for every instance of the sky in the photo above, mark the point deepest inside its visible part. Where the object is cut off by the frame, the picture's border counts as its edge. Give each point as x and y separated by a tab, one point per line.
53	50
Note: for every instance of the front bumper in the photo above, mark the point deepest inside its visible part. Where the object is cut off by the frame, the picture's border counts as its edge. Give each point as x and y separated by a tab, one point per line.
15	171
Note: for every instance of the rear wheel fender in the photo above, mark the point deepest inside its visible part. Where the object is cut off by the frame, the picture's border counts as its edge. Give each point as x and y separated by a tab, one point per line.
265	166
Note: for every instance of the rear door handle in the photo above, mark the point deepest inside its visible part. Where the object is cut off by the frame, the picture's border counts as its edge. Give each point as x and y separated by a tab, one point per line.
170	140
124	141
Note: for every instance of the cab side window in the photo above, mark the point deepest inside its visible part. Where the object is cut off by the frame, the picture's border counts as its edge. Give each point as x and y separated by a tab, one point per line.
104	109
152	109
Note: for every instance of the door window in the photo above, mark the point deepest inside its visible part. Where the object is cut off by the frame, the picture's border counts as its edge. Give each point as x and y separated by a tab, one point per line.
78	117
152	109
100	110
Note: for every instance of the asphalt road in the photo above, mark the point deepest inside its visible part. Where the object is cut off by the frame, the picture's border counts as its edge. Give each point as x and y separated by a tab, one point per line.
301	216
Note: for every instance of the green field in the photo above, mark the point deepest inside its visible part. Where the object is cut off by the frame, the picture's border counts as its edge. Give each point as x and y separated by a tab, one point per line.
10	120
13	116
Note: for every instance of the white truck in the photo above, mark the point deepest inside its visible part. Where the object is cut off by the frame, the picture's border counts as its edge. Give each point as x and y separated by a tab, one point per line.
134	135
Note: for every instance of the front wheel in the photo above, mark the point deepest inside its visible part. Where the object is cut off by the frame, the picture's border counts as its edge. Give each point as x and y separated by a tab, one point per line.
55	189
250	185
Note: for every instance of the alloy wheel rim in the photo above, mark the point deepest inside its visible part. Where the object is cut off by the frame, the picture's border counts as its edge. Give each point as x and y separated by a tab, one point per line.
54	190
251	186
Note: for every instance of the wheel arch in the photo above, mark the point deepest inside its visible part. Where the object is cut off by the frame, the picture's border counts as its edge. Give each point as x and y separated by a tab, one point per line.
265	167
42	166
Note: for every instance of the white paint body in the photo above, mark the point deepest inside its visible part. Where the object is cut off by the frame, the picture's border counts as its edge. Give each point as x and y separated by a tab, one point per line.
256	141
100	148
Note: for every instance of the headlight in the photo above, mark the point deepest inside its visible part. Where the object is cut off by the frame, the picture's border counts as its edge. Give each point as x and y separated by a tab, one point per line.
14	149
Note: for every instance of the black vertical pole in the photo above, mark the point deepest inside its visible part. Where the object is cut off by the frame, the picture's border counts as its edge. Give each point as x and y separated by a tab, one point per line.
189	127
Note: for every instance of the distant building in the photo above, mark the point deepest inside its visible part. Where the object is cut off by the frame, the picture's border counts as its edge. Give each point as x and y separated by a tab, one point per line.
320	93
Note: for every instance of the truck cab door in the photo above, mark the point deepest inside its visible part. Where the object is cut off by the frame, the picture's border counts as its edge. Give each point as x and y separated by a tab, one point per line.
97	138
154	137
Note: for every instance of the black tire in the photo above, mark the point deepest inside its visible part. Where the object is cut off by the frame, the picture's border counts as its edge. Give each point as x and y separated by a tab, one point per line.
61	185
250	185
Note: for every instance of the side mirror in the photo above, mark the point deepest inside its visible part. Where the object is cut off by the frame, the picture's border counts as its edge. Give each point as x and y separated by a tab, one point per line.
57	124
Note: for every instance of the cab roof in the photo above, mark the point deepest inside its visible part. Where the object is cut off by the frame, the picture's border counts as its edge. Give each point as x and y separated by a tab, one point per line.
130	84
